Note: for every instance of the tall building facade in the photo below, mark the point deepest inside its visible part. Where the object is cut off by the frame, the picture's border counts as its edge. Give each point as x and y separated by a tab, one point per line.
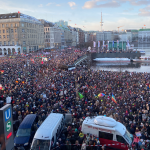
52	34
20	33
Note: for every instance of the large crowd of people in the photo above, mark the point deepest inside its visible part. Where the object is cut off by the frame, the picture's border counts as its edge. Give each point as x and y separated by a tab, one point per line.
41	87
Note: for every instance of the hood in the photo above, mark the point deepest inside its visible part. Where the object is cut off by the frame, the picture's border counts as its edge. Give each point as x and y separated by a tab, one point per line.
21	140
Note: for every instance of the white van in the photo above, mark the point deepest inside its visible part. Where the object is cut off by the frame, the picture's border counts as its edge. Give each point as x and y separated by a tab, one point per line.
47	134
111	133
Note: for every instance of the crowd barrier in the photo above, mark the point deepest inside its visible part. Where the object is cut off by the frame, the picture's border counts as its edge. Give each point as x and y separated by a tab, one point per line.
102	146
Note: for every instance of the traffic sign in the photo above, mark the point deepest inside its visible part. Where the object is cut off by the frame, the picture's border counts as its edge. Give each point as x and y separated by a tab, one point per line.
8	126
7	114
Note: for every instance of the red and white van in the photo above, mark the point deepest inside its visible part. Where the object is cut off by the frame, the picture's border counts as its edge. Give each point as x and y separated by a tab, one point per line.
111	133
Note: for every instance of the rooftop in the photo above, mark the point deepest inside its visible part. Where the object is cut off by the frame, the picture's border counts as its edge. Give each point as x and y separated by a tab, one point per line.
18	15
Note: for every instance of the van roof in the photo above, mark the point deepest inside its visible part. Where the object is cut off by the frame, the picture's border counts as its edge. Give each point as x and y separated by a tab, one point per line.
45	131
27	121
105	123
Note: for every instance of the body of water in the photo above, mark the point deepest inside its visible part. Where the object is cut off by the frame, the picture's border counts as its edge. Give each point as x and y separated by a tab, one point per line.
131	67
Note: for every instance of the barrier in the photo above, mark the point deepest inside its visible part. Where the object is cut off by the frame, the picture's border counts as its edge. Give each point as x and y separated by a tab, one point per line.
86	145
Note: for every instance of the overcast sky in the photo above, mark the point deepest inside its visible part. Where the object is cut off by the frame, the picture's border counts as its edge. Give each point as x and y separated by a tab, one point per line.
131	14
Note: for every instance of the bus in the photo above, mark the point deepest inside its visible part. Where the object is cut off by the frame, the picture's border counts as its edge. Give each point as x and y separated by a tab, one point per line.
111	133
49	131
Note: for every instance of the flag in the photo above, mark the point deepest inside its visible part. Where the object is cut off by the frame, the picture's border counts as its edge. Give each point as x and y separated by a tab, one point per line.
2	71
113	99
103	43
94	44
101	94
18	12
98	43
144	25
80	95
75	24
113	43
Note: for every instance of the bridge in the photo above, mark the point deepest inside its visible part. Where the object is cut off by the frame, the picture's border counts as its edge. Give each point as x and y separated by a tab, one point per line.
81	60
88	58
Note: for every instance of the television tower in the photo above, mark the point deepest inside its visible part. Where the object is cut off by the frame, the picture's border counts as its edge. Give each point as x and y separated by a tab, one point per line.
101	23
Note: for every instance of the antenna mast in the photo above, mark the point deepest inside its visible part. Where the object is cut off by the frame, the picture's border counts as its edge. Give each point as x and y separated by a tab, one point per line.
101	23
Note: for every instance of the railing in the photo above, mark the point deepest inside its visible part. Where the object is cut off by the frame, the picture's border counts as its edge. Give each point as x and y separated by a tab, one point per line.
80	60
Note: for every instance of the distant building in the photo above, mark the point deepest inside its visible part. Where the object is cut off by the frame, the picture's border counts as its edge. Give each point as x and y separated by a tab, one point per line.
52	34
62	23
108	35
80	36
20	33
99	36
144	36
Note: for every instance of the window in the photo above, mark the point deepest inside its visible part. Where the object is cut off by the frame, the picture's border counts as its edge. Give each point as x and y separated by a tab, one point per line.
23	132
0	36
15	30
7	36
3	31
22	24
0	31
121	139
8	43
7	30
23	36
6	25
17	43
12	30
22	30
3	36
105	135
13	43
5	43
16	25
24	42
11	25
0	43
2	25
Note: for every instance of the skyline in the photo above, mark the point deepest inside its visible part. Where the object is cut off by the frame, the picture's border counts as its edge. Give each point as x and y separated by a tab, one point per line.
131	14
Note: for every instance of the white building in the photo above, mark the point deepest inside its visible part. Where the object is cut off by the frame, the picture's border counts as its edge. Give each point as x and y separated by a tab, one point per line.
144	36
126	36
99	36
108	35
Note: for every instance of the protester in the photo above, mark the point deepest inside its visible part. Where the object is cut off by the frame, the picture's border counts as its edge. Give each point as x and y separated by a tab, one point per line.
40	87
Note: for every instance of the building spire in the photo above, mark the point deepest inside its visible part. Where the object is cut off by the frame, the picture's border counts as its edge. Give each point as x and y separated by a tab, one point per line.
101	23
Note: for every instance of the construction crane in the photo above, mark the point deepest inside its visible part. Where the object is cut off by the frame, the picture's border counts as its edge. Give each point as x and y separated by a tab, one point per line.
119	27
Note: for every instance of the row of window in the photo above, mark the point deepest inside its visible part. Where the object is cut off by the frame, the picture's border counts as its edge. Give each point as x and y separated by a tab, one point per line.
8	25
8	36
22	24
16	36
17	43
8	43
7	31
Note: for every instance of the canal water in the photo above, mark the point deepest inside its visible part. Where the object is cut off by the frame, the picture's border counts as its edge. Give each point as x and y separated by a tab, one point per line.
121	67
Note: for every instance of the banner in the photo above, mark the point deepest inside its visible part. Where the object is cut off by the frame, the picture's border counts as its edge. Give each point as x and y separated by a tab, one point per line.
113	44
98	43
103	43
94	44
117	42
128	43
